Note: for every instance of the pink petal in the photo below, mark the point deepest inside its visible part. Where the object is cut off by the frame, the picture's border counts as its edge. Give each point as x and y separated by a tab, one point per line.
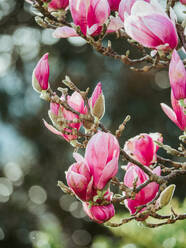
79	11
96	154
114	4
166	35
96	93
64	32
170	113
115	24
177	76
179	111
89	192
108	172
144	149
53	130
78	157
98	12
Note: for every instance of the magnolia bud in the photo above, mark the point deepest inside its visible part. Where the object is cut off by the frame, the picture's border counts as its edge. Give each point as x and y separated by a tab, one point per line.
40	74
97	104
166	195
58	4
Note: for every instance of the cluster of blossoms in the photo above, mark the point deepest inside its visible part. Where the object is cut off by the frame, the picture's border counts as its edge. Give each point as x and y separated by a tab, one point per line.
144	21
89	178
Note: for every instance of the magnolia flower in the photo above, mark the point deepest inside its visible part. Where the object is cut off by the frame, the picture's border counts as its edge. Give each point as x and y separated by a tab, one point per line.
80	180
76	102
40	74
89	16
177	76
147	193
142	147
99	213
150	26
176	114
102	154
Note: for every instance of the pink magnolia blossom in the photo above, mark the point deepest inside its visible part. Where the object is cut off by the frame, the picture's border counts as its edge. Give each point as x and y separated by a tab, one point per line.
142	147
177	113
177	76
150	26
40	74
114	4
125	7
102	154
89	15
97	102
146	194
58	4
76	102
99	213
80	180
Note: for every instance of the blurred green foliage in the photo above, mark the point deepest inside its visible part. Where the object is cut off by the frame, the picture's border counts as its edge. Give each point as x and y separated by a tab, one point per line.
135	235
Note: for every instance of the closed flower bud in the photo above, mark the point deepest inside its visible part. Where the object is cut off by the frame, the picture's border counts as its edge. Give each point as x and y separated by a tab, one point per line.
79	179
58	4
166	196
99	213
143	148
40	74
97	102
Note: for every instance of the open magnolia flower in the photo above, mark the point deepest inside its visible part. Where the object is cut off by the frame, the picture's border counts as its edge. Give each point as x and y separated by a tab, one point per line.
89	16
149	25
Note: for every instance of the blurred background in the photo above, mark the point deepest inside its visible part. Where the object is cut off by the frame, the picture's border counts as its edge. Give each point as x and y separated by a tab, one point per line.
34	212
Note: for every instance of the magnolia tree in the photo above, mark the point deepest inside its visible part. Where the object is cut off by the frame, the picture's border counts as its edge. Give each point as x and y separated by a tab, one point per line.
159	36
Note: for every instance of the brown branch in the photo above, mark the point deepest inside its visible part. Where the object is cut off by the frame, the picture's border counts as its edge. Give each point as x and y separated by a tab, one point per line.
174	174
171	220
152	176
122	221
180	31
38	4
168	162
